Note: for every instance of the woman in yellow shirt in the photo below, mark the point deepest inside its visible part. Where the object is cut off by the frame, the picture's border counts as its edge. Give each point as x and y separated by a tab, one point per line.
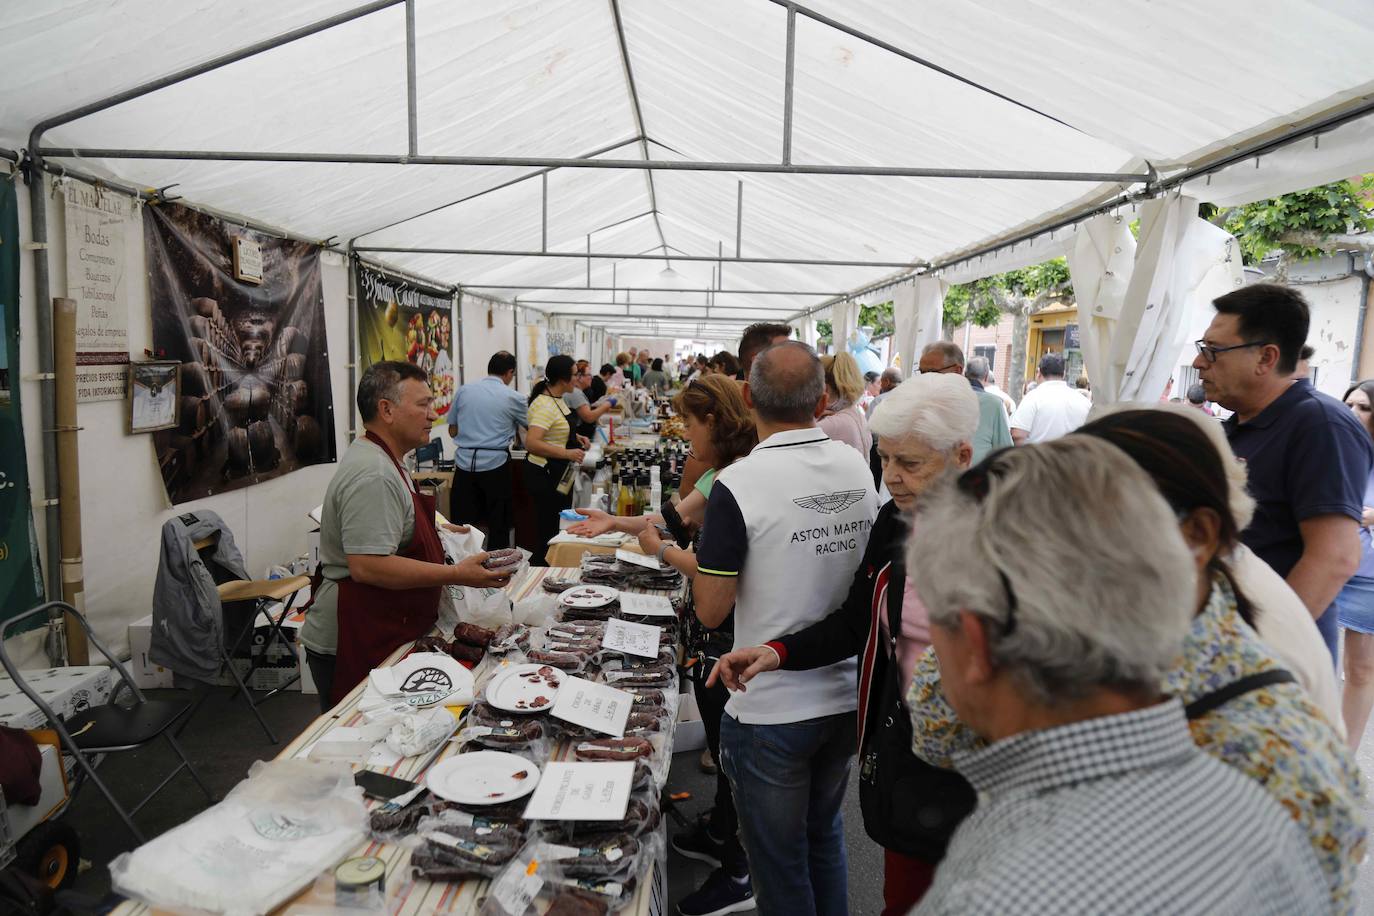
554	451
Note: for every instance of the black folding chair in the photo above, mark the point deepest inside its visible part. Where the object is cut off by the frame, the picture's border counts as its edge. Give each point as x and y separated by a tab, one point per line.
110	728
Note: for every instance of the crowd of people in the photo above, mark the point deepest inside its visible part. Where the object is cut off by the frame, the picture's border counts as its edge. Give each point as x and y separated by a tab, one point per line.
1131	706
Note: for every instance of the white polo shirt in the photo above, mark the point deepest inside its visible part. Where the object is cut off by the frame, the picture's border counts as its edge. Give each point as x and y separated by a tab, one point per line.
1050	410
791	520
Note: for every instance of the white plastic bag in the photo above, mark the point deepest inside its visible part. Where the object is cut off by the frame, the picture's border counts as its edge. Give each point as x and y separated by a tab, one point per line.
421	732
282	826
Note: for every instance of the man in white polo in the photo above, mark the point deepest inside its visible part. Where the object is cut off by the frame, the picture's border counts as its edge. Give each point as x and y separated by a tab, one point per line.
1052	409
785	529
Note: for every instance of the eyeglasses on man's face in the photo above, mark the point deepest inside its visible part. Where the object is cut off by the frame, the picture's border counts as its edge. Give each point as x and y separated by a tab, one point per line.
1211	353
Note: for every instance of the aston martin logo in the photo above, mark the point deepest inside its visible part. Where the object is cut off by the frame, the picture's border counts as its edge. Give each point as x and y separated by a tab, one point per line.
830	503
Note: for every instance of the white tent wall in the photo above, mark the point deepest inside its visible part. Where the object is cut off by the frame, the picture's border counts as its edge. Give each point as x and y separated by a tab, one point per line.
480	342
123	501
1334	331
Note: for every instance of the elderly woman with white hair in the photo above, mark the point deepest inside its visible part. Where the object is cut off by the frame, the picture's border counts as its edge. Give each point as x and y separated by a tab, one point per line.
925	427
1245	708
1053	642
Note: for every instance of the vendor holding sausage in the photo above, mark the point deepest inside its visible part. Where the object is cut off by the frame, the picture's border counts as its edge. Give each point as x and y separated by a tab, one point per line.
381	563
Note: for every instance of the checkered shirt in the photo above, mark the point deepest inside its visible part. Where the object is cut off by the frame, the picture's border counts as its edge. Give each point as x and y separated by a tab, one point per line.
1121	814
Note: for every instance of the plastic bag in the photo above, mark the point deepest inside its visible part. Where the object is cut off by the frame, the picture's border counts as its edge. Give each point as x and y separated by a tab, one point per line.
486	607
421	732
538	610
287	822
530	875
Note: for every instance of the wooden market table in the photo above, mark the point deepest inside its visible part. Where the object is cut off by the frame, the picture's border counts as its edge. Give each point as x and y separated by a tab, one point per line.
421	897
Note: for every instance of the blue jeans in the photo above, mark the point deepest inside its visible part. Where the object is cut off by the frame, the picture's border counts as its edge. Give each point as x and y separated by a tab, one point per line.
789	783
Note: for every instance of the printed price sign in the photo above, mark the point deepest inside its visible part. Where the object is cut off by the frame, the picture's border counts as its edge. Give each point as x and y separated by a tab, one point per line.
634	638
646	606
582	792
591	705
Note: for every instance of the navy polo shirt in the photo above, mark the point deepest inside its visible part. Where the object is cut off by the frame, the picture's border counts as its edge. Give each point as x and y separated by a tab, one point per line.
1306	455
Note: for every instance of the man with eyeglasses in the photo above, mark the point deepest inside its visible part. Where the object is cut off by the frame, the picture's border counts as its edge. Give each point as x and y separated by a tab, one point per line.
1307	457
993	433
1051	409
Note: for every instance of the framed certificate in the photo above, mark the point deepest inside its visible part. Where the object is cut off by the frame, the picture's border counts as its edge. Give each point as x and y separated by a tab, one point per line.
154	396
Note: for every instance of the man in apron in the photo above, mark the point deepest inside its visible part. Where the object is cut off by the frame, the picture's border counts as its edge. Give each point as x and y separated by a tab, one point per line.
382	565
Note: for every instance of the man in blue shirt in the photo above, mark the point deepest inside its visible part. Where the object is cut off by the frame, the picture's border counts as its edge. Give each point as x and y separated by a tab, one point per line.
1307	457
486	415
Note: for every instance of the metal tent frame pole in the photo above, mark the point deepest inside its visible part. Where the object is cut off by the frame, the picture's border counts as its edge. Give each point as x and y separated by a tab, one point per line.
651	165
536	287
584	255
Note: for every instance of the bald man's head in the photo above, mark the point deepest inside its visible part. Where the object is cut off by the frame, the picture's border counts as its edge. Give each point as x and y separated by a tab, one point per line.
787	383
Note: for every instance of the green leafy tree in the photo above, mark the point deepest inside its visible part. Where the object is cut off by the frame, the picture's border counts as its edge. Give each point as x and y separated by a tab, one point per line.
1303	224
1020	293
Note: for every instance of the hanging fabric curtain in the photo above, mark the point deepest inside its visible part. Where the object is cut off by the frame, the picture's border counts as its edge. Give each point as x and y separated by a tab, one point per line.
1100	262
804	329
918	310
1181	264
844	320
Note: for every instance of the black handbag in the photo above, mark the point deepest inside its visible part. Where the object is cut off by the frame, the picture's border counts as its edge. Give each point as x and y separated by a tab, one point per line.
909	806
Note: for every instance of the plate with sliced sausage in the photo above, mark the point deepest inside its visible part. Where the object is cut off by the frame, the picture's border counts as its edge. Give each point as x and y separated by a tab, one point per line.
525	688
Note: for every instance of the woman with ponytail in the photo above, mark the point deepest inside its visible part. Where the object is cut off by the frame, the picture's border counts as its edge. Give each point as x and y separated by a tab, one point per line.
554	451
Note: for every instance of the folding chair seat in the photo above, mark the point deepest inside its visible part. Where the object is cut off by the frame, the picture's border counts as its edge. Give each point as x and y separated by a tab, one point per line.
106	729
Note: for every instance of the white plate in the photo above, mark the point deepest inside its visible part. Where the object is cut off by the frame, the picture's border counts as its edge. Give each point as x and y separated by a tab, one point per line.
423	679
513	689
588	596
482	778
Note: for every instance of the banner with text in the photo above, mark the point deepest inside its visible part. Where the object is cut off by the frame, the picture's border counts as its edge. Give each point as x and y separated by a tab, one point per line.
96	220
404	320
255	395
21	581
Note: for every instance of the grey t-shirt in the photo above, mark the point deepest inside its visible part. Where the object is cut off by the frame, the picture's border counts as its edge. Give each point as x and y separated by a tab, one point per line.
575	399
367	510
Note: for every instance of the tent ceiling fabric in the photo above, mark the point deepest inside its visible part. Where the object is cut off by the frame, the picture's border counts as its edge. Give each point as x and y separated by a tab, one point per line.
545	78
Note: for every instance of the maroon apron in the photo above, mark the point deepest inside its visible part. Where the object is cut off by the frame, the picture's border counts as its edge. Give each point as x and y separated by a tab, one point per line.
374	622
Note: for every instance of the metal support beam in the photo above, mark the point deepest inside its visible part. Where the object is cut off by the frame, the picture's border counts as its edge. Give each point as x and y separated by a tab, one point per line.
66	117
505	184
544	212
787	84
739	217
537	287
638	116
411	115
47	396
651	165
794	8
666	305
501	253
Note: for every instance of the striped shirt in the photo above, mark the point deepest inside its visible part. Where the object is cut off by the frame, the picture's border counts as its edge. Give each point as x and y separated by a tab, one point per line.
1121	814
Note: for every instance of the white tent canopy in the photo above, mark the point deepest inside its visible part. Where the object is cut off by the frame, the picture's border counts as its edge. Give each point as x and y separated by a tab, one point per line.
1148	91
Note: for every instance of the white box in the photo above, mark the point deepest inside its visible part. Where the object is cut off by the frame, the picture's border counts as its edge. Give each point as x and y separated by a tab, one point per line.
146	675
53	785
690	733
66	690
312	550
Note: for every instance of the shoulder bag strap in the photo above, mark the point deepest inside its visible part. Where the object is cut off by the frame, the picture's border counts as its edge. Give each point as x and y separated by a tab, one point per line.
1239	687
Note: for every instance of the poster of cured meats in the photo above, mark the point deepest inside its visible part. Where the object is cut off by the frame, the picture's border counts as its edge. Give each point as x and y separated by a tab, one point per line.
255	396
404	320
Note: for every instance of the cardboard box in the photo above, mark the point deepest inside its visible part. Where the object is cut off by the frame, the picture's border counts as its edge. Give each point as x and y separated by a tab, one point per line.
690	732
53	784
146	675
66	690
